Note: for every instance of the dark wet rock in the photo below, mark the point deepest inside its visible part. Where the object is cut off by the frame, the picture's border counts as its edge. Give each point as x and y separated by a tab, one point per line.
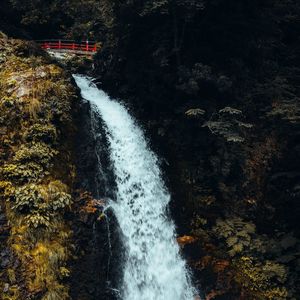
95	272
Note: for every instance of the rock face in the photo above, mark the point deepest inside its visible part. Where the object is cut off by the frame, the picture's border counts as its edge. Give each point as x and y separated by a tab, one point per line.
219	98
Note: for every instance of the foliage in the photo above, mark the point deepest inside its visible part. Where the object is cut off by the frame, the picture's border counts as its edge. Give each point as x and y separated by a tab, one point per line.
264	280
40	198
38	152
24	172
36	100
228	123
40	133
239	236
194	112
262	267
72	18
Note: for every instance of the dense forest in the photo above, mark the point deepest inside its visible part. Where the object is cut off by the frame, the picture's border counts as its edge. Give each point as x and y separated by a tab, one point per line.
215	85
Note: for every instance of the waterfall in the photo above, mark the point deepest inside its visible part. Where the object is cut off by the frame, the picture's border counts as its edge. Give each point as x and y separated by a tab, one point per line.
153	267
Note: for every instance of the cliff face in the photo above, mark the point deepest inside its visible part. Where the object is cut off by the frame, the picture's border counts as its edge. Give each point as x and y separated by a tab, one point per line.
37	172
216	86
56	243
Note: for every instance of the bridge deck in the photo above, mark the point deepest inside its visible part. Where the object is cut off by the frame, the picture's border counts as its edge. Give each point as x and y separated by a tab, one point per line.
77	52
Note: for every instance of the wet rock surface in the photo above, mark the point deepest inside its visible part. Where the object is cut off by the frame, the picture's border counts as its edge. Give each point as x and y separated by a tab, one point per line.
96	271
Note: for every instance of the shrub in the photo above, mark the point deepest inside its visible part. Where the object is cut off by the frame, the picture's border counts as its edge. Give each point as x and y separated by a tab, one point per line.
37	152
40	202
21	173
239	235
41	133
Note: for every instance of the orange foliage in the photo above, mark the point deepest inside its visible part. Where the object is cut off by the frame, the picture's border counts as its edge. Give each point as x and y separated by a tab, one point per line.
220	265
92	206
87	204
186	239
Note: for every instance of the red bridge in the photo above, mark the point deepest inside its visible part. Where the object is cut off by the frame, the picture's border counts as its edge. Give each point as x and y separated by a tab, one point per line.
80	48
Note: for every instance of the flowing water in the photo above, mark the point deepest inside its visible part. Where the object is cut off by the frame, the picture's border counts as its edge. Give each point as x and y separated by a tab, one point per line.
153	268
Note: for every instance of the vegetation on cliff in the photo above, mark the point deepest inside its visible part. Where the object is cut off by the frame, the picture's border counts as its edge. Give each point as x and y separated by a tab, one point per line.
36	171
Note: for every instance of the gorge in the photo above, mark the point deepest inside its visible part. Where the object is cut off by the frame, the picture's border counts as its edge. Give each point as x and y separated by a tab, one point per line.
169	169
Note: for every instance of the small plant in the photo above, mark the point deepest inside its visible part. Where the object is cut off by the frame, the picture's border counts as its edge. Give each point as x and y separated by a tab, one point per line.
27	197
227	122
36	220
194	112
239	236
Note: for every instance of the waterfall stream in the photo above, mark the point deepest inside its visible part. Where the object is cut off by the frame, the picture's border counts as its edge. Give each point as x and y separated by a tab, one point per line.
153	267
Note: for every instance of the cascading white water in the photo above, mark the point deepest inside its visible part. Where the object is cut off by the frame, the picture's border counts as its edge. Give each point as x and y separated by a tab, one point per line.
153	268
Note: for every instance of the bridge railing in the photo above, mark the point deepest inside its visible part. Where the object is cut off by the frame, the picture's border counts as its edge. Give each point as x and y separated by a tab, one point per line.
70	45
